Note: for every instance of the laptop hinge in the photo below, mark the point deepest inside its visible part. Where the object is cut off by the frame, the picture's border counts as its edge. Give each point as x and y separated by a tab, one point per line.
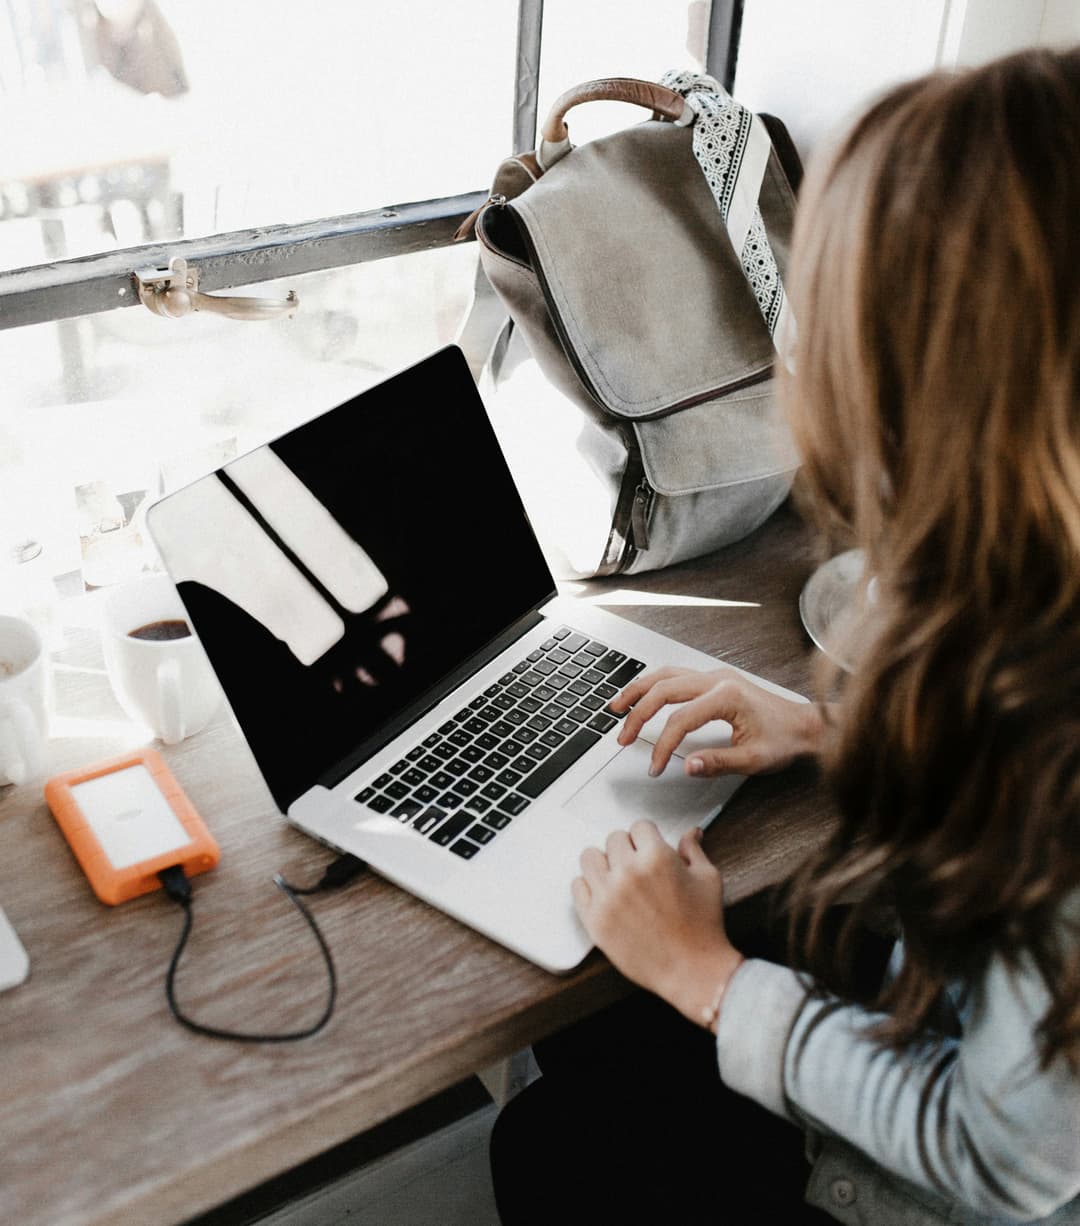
431	698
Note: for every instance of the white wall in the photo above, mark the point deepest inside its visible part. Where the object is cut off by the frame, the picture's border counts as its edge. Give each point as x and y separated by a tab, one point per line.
815	63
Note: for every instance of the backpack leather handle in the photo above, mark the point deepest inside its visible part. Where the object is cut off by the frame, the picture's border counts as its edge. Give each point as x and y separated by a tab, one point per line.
663	102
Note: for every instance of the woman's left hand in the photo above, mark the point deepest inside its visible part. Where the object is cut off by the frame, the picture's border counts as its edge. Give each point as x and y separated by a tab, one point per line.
658	914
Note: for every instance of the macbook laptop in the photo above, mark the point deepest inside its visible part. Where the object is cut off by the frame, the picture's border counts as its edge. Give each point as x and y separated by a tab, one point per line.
389	637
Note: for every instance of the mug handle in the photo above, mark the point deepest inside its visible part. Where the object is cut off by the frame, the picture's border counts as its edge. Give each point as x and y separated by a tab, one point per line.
20	753
170	707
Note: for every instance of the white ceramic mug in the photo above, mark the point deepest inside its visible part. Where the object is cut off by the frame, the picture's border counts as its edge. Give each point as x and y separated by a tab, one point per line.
24	700
167	684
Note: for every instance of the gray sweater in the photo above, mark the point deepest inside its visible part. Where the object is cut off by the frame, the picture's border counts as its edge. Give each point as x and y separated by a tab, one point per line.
958	1130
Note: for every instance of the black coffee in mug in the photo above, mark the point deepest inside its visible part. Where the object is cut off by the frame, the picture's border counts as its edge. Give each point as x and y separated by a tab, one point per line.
162	631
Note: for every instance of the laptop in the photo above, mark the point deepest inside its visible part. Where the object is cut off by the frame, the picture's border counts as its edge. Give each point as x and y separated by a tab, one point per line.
415	692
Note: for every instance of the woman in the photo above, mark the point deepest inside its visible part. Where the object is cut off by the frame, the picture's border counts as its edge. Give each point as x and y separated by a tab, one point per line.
936	402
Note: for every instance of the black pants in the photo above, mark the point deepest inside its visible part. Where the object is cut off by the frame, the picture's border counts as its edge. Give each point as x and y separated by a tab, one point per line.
631	1125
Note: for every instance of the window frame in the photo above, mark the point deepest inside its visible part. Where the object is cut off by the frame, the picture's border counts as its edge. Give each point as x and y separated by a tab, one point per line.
88	285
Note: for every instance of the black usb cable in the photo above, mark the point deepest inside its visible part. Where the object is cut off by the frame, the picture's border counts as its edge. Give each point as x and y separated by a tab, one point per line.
338	873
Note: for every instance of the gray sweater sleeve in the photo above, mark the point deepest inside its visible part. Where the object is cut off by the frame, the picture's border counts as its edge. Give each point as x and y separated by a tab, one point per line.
973	1120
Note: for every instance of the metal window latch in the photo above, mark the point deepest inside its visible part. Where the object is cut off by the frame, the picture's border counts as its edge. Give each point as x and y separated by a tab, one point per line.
174	293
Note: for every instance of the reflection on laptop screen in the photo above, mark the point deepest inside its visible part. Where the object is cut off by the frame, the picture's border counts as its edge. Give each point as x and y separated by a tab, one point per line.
337	574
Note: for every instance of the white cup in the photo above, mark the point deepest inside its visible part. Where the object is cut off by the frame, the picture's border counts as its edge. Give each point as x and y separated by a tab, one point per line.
24	702
166	684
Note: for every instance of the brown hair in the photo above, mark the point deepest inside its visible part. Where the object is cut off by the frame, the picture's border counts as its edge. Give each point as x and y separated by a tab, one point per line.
935	281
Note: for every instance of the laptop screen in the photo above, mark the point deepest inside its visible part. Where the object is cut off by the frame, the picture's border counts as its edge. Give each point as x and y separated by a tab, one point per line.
339	573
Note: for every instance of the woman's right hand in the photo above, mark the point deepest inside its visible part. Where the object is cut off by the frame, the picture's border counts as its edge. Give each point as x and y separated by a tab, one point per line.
767	732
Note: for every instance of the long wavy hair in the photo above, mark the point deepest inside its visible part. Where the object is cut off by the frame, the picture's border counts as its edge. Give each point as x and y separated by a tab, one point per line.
935	280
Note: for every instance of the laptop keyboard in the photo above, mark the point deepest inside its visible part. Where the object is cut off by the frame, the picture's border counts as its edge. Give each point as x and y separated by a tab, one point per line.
485	765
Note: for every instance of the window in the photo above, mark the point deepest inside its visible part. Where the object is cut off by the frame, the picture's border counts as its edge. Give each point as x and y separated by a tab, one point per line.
329	149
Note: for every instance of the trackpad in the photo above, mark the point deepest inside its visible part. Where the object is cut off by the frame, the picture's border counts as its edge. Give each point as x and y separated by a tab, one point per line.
621	793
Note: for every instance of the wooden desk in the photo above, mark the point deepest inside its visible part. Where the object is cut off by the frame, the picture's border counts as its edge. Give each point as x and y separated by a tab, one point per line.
111	1112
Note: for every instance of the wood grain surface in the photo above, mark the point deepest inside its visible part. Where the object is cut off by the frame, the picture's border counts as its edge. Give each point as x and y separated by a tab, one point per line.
112	1112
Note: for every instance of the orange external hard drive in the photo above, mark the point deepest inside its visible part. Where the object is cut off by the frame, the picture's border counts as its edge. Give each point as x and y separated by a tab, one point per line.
128	819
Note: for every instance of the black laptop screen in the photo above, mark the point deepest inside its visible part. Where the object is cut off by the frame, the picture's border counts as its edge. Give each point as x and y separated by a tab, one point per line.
337	575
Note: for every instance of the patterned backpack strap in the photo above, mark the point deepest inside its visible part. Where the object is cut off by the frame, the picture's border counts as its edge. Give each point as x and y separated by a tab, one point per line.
732	147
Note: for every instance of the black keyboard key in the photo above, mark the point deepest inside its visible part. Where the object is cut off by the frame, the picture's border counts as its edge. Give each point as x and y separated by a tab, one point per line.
580	715
465	787
625	673
529	704
444	751
523	765
558	682
544	667
416	753
381	804
474	726
459	738
566	699
398	767
364	796
457	768
426	793
526	735
412	777
520	668
496	761
502	729
407	810
531	679
487	741
492	690
478	805
517	718
383	780
573	643
570	669
504	702
595	649
459	717
445	729
565	727
477	703
606	691
450	800
552	739
584	660
602	722
451	828
441	779
508	777
533	656
398	790
579	687
538	751
561	633
559	762
558	656
464	849
592	702
480	834
429	819
481	773
517	690
610	662
548	644
544	693
592	676
497	820
513	804
431	740
472	753
493	791
552	711
506	679
428	764
488	714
